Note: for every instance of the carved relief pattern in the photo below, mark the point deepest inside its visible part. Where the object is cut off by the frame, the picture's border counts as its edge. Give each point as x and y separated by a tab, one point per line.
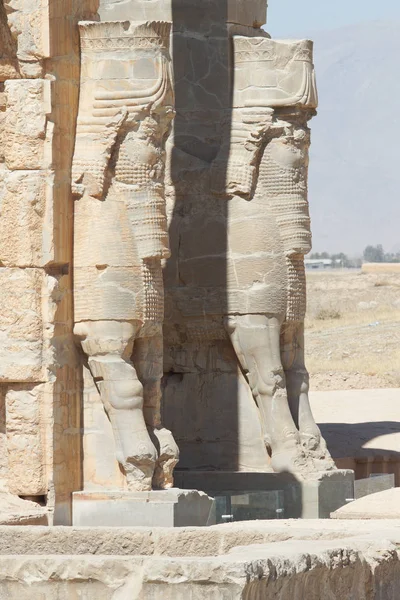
153	291
296	288
284	184
112	36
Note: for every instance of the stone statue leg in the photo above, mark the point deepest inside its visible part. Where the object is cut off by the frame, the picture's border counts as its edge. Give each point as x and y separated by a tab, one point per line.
256	340
108	345
297	381
147	358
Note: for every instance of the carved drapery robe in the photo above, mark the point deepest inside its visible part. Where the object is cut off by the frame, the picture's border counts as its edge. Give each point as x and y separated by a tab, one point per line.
120	223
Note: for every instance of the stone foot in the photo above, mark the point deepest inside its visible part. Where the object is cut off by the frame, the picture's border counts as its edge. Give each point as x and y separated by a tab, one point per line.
290	461
139	462
302	454
322	459
315	447
310	441
287	454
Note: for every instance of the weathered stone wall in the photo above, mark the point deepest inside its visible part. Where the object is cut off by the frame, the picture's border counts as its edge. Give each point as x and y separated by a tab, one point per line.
40	380
283	560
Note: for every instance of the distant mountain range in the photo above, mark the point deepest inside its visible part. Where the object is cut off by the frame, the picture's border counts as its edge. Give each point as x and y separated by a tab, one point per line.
355	153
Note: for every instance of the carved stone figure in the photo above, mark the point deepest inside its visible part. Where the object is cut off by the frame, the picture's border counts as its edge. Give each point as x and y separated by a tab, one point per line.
125	114
243	266
268	236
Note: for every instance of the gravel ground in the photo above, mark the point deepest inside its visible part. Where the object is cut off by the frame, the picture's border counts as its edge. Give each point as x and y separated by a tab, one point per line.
353	330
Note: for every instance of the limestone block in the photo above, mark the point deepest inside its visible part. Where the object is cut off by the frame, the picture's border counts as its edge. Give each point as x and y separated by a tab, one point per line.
26	218
3	440
162	508
26	134
32	333
29	24
273	73
382	505
285	560
21	328
243	12
25	443
8	49
183	543
15	511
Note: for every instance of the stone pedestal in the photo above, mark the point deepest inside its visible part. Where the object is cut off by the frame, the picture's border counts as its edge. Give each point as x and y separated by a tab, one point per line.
312	499
167	508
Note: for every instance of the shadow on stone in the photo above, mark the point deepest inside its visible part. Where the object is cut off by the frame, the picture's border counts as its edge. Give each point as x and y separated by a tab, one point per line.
201	388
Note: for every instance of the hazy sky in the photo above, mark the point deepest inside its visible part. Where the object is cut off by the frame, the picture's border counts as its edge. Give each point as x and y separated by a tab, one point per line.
288	17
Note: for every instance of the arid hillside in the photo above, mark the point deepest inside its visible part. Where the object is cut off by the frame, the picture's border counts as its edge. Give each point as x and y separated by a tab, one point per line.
353	330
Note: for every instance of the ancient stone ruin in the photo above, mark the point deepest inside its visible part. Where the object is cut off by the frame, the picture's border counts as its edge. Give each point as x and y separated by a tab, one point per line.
153	226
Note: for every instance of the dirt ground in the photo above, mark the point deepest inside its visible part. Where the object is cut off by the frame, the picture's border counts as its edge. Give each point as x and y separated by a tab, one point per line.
353	329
